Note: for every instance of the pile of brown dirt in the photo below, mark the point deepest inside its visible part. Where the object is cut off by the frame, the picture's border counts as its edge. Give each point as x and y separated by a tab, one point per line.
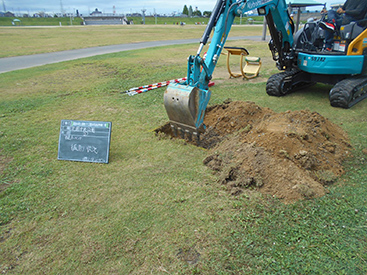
290	155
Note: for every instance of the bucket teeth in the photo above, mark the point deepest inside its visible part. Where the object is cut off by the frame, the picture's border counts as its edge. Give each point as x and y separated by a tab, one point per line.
185	133
185	106
174	130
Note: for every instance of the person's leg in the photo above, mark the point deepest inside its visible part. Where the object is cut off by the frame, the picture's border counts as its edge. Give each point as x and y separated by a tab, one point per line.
329	37
333	17
346	20
333	22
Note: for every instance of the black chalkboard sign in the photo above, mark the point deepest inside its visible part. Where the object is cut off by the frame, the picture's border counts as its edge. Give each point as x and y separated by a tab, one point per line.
87	141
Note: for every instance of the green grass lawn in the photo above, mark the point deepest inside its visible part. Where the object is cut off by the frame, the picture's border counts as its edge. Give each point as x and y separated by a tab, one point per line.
33	21
149	20
53	39
155	206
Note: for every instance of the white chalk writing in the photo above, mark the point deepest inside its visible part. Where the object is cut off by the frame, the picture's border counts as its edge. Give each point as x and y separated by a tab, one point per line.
85	130
80	148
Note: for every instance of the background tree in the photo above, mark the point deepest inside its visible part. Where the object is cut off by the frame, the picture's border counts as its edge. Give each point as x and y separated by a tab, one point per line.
197	13
190	11
207	13
185	10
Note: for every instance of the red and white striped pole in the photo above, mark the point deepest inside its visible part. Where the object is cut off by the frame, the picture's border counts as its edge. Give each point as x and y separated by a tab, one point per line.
146	88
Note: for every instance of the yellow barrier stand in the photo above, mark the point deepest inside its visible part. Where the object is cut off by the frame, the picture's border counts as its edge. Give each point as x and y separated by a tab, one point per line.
252	67
242	52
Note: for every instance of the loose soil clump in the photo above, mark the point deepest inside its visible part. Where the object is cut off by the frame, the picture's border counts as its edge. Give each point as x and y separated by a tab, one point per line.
290	155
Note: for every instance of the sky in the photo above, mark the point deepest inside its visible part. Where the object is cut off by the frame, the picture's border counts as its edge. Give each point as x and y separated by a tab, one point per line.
106	6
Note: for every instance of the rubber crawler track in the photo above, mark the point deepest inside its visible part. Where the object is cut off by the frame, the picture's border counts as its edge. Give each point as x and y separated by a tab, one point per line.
285	83
348	92
275	84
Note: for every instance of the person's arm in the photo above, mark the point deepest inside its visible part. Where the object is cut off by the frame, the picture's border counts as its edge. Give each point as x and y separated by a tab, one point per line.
343	8
340	11
358	12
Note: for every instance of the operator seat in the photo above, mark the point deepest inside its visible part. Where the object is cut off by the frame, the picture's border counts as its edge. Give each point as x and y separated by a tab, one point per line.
309	38
350	31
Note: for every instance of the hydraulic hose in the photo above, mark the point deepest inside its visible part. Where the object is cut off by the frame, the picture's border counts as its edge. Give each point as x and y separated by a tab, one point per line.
227	15
212	21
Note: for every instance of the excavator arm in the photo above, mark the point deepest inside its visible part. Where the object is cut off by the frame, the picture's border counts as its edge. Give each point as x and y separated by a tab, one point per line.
186	103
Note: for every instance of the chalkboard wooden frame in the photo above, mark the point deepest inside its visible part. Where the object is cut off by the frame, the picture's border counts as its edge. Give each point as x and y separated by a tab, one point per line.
86	141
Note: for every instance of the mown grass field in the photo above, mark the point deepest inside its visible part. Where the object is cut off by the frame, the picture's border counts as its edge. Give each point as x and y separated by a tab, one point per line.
43	40
155	208
34	21
149	20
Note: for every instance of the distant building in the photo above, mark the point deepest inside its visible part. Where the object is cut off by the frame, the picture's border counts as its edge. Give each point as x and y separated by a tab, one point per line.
96	13
7	14
106	19
336	6
133	14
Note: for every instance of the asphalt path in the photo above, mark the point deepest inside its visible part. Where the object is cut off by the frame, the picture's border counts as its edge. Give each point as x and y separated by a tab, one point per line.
9	64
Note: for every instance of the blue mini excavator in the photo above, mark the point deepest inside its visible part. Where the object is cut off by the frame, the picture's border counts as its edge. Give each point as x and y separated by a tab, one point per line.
298	55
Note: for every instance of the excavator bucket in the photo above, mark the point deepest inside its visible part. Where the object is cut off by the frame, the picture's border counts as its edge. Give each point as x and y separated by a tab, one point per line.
185	106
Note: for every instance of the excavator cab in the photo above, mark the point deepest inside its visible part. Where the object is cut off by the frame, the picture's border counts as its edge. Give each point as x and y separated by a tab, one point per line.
345	67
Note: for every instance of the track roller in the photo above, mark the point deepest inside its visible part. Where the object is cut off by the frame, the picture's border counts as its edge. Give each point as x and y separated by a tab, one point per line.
286	82
348	92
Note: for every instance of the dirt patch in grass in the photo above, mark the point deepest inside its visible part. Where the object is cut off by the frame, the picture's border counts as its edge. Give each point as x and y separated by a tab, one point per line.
290	155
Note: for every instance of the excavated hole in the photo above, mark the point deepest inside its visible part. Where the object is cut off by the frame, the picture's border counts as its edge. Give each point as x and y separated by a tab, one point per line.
290	155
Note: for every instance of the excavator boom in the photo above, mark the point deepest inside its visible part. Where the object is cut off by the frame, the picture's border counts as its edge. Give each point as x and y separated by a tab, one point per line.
186	103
